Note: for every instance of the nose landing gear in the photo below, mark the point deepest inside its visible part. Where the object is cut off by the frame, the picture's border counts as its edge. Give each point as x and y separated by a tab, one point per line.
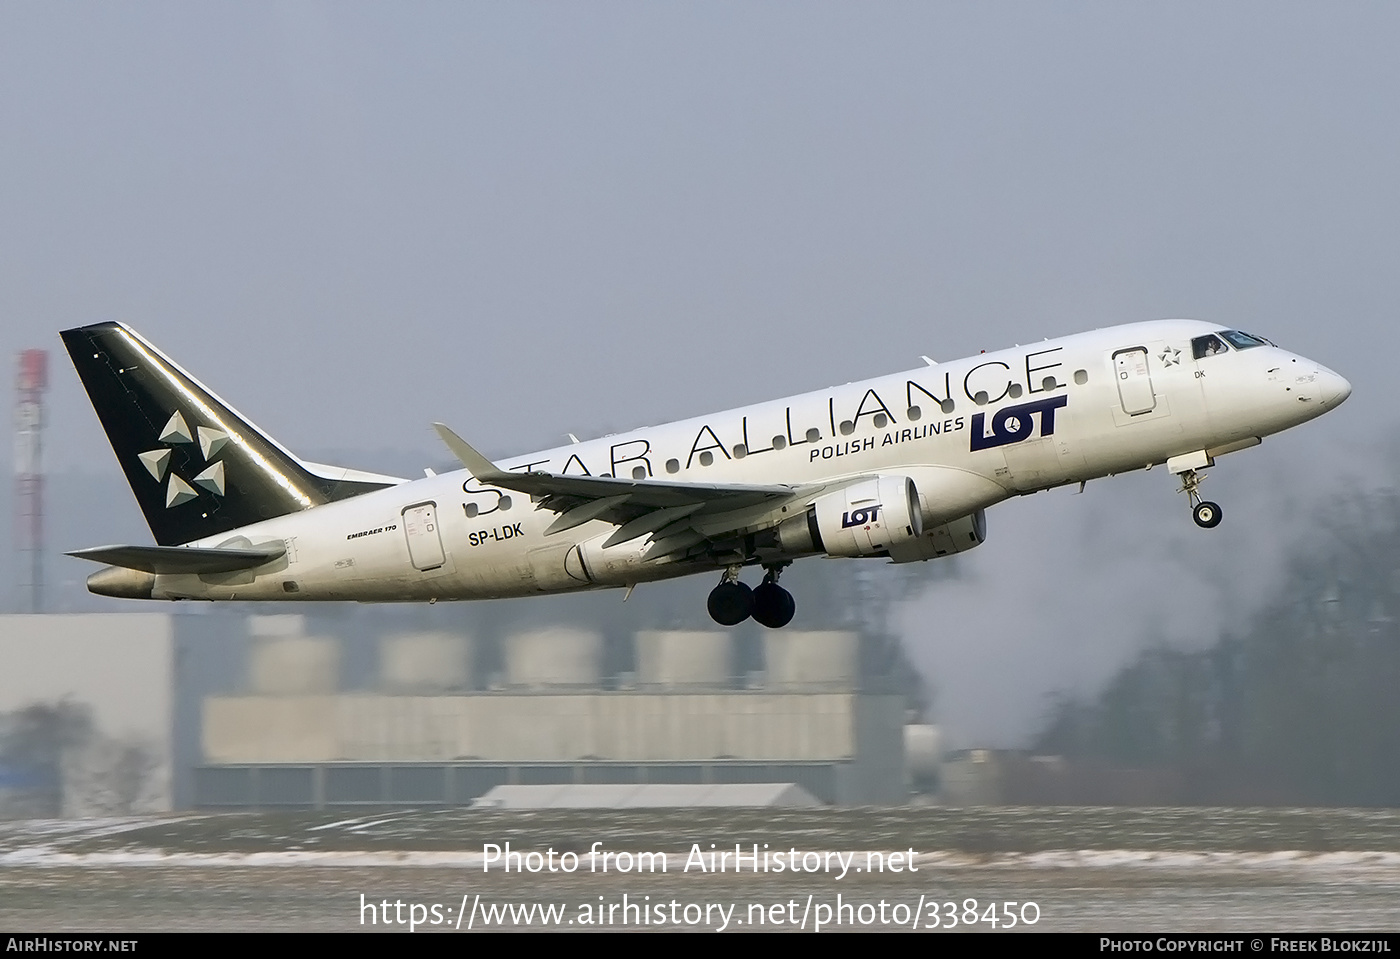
1206	514
731	602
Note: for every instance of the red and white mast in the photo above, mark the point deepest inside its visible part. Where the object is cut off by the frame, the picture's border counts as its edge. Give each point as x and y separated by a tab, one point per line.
29	477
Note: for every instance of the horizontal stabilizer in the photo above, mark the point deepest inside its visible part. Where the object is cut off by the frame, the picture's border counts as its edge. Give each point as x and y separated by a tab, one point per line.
180	559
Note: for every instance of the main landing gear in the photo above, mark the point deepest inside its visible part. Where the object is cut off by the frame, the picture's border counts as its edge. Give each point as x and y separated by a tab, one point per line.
1206	513
732	602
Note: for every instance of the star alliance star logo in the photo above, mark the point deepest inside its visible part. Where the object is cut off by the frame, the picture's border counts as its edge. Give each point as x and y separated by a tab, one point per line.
157	461
1171	356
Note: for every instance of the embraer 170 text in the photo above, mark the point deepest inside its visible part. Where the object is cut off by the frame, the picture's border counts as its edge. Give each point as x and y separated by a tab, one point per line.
900	467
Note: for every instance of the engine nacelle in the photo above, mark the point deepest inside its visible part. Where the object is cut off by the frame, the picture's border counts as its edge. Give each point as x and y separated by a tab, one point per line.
867	518
956	536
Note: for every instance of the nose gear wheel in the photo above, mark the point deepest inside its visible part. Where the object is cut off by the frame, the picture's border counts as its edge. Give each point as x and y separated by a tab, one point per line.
1206	514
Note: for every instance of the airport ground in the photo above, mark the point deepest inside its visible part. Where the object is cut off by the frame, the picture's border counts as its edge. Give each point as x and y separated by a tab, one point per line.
1102	870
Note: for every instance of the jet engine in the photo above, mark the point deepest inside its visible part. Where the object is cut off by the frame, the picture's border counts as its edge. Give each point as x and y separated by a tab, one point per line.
870	517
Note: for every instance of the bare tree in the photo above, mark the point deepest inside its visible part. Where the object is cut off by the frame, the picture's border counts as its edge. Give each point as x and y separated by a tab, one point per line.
36	740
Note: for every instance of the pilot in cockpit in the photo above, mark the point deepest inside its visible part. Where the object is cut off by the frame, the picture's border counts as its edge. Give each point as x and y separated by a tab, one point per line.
1208	345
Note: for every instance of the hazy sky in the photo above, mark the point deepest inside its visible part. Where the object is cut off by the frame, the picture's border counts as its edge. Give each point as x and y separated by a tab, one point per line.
525	219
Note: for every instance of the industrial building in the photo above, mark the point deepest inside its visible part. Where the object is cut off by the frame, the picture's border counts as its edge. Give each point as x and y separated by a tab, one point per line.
351	708
433	729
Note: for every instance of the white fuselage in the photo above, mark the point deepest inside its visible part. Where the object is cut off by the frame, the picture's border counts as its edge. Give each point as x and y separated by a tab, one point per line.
969	433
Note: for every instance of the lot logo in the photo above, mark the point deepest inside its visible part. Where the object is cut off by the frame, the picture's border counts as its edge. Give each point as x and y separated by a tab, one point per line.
859	517
1014	424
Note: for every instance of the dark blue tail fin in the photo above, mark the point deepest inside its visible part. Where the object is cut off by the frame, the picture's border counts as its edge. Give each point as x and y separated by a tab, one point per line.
196	466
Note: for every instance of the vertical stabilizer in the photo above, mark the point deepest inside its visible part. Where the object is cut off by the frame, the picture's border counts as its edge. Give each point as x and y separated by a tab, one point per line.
196	466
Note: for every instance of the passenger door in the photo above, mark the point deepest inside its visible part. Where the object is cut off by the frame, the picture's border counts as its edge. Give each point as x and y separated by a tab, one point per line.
1134	381
420	526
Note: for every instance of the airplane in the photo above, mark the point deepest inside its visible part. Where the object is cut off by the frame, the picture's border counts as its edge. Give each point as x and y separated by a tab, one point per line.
900	467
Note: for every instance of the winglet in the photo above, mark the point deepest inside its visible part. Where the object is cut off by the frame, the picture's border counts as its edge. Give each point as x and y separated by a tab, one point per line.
476	464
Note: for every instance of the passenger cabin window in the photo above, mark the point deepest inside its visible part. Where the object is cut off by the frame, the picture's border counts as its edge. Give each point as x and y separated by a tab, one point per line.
1243	341
1208	345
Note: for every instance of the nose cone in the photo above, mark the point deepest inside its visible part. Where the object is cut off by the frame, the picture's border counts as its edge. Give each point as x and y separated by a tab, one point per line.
1332	388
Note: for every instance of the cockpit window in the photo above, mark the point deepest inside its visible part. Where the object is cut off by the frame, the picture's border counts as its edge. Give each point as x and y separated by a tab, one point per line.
1208	345
1243	341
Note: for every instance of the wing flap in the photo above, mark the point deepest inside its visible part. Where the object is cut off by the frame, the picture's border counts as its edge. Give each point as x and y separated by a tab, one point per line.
587	510
674	543
649	522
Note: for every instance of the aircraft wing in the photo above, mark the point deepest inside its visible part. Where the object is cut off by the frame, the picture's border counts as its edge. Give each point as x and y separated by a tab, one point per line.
180	559
678	515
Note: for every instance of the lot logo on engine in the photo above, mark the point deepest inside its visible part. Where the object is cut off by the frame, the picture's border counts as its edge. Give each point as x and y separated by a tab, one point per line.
1014	424
859	517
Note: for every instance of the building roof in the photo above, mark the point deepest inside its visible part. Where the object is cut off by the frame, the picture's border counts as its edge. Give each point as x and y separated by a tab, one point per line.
647	796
